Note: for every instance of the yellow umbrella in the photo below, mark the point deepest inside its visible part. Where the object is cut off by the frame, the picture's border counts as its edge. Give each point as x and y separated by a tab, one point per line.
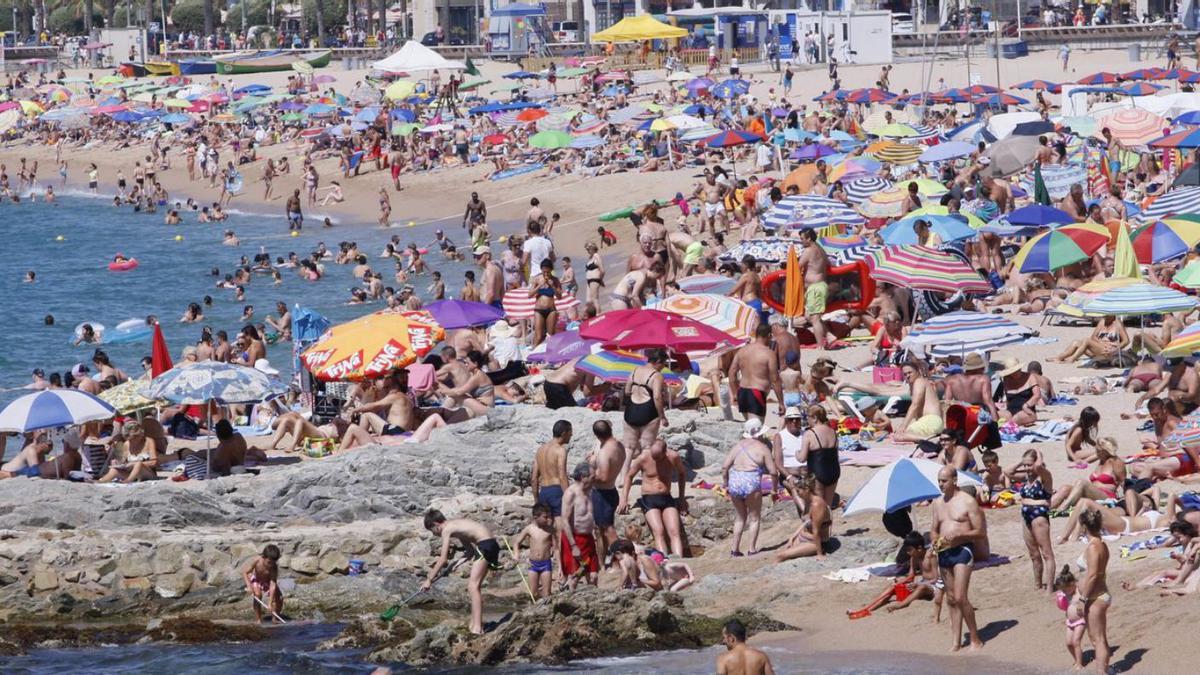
177	103
127	397
31	107
400	89
661	124
372	346
110	79
1125	264
793	301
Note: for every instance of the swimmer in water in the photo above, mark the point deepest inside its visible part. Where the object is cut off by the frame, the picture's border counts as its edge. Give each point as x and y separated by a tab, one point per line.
120	258
247	312
49	196
172	218
87	335
49	320
30	277
231	239
192	314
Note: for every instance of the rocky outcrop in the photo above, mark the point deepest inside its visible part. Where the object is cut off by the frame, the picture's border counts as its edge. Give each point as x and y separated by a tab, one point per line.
17	639
587	623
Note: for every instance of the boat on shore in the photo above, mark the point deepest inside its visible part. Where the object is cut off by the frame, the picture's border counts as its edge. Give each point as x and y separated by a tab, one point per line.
198	67
269	61
161	68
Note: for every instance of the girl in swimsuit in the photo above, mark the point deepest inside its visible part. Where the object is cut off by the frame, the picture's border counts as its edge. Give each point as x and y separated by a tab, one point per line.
1102	484
643	417
819	449
1035	512
743	470
1086	430
546	288
1068	600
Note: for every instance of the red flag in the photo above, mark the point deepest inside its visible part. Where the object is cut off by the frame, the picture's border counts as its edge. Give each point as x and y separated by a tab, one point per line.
160	356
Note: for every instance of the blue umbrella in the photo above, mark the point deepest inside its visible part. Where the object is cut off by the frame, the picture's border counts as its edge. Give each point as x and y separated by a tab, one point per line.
902	483
521	75
319	109
453	314
126	116
175	118
797	135
903	232
731	88
367	114
587	141
947	150
291	106
810	211
1039	215
404	115
255	89
1189	117
52	409
699	109
502	107
307	327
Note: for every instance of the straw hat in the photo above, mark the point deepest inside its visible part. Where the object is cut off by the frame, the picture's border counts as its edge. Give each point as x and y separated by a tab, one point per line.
1010	366
974	361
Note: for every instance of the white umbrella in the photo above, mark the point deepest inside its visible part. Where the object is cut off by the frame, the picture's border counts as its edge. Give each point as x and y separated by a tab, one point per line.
51	409
902	483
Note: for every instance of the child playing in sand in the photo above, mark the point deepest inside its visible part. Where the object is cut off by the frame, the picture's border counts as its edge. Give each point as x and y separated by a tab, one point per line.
921	561
477	539
1071	603
676	576
540	534
261	578
995	480
607	237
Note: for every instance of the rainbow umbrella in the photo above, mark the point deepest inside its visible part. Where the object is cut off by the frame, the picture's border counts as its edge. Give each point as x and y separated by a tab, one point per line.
1186	343
617	366
722	312
372	346
1056	249
727	139
841	242
895	152
1165	240
923	268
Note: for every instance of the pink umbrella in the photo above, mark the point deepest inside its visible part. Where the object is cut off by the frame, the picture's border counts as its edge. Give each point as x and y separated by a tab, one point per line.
8	105
217	98
198	106
324	79
612	76
110	109
646	328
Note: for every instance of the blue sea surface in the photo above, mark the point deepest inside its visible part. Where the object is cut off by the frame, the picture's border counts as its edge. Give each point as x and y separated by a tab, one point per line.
75	286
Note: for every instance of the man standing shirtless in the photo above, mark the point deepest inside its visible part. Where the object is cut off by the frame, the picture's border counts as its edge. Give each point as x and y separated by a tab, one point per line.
661	510
813	265
753	374
549	476
713	195
578	541
741	659
609	462
480	545
475	215
491	289
747	287
972	386
958	524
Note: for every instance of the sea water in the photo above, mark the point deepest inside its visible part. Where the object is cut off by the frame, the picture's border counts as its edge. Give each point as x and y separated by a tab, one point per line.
69	245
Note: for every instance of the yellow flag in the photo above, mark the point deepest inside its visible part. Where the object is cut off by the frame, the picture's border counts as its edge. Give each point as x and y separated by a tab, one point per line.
1125	264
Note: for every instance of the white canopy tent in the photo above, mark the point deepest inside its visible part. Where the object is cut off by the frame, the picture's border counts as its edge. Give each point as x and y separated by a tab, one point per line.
415	57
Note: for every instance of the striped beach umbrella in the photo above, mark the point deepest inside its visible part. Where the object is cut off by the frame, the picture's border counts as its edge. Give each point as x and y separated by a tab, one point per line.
1042	85
53	408
127	397
1186	343
1103	77
1139	298
948	228
902	483
707	283
1140	89
999	99
1134	126
1056	249
895	152
722	312
733	137
861	189
1059	178
1189	276
924	268
810	211
855	253
1165	240
1152	73
841	242
206	381
886	204
961	332
1179	201
587	141
518	304
617	366
1188	138
1077	300
871	95
764	250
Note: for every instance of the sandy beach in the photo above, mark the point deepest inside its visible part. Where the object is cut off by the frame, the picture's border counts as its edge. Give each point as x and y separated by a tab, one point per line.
1021	626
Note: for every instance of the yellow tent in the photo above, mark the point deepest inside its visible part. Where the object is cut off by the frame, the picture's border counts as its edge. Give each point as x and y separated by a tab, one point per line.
634	28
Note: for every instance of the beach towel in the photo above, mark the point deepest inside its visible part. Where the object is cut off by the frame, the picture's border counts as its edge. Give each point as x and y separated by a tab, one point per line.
1050	430
420	377
1149	544
1062	399
1039	340
854	575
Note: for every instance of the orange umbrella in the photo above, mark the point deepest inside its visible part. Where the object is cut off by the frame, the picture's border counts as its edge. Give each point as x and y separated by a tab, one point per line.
372	346
802	178
531	114
793	303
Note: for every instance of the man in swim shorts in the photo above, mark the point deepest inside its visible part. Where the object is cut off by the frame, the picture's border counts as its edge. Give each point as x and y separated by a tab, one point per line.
753	373
813	265
294	217
658	465
478	540
549	475
958	526
712	194
578	540
607	462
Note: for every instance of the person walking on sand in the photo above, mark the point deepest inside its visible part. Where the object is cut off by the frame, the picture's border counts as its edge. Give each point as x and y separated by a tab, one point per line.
481	546
958	523
1094	587
262	582
579	555
741	659
742	472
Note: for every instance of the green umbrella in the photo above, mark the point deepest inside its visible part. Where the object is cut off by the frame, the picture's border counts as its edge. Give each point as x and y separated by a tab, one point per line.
550	140
1188	277
572	72
473	84
293	117
404	129
249	103
1040	194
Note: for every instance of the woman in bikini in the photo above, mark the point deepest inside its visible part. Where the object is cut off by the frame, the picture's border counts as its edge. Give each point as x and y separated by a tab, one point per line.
1103	483
594	273
136	461
1112	521
742	473
1094	587
1086	431
1106	341
546	289
477	394
645	402
885	346
1035	513
819	451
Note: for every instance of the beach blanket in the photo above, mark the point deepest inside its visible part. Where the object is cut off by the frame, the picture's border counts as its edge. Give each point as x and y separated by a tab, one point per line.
1039	340
1050	430
1154	542
249	431
854	575
1062	399
877	456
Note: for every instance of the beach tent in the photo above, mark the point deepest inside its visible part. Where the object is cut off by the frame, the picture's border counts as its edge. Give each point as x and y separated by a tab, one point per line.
634	28
415	57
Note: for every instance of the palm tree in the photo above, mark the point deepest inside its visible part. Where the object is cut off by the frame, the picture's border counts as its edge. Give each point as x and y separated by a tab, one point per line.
209	19
319	8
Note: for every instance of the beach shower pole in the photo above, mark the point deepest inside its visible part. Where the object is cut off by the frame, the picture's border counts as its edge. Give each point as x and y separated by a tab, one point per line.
996	39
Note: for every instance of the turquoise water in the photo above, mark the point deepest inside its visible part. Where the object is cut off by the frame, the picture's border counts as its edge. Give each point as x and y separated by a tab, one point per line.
74	285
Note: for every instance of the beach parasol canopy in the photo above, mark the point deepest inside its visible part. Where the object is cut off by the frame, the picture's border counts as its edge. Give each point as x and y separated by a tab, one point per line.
371	346
722	312
454	314
707	283
647	328
894	130
853	168
518	304
961	332
895	152
810	211
871	95
947	228
637	28
1012	154
730	138
1188	138
200	383
764	250
946	150
1179	201
1058	248
1043	85
127	397
862	189
400	89
1139	298
1103	77
999	100
1077	300
1039	215
731	88
924	268
939	210
51	409
902	483
562	347
617	366
1165	240
1140	89
1188	277
1133	126
1185	343
550	140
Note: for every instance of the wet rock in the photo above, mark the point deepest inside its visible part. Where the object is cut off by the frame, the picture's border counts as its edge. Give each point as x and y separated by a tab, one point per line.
199	631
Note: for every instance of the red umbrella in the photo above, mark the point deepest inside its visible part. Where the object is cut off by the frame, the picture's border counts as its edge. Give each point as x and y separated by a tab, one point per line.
531	114
646	328
493	139
160	356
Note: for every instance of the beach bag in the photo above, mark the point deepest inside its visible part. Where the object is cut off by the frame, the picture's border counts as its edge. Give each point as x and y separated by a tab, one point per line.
886	374
195	467
318	447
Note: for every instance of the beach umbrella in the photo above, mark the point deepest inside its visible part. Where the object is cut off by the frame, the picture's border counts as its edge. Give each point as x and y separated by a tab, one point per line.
1134	126
1058	248
810	211
648	328
946	150
126	116
730	88
730	138
1185	343
764	250
861	189
1043	85
550	140
939	210
127	397
948	228
1188	277
1186	139
1140	89
521	75
954	95
894	130
1011	154
371	346
1191	117
1164	240
1178	201
1102	77
176	103
855	253
856	167
841	242
532	114
722	312
902	483
51	409
617	366
1060	177
1077	300
1139	298
211	381
871	95
955	330
999	100
895	152
886	204
685	121
518	304
586	141
453	314
562	347
923	268
1039	215
707	283
811	152
1146	74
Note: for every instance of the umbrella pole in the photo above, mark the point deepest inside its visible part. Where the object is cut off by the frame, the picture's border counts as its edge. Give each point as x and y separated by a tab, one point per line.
208	443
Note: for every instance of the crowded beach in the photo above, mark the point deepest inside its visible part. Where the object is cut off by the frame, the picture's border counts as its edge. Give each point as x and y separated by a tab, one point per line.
960	315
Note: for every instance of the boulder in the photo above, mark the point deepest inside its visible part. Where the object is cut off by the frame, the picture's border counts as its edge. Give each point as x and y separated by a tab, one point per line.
334	562
44	579
134	564
174	585
306	565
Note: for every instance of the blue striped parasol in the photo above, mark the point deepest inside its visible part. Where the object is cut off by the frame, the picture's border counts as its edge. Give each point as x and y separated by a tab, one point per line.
961	332
1139	298
768	250
810	211
52	409
902	483
861	189
1184	200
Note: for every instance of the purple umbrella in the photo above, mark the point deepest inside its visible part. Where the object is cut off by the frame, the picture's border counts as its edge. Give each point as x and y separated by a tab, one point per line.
463	313
562	347
811	152
698	84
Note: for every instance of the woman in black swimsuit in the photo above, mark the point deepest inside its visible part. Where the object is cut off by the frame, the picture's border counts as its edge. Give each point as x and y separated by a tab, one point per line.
546	288
594	274
819	448
1021	393
645	403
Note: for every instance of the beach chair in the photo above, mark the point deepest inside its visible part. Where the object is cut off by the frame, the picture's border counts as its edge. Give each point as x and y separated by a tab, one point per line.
94	460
